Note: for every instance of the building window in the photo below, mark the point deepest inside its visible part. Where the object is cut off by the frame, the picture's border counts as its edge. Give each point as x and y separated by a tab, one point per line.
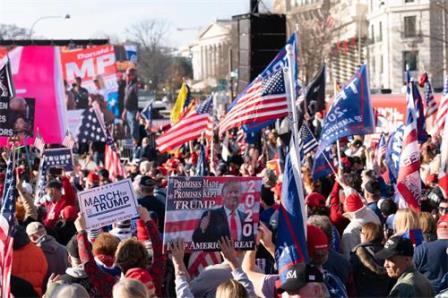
410	26
410	59
381	64
408	1
380	32
372	33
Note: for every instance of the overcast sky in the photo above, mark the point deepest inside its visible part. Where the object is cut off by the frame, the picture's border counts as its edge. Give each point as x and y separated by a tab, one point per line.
92	17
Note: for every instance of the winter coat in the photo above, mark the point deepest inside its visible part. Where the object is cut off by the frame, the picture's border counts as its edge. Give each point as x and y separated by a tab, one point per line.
352	233
55	253
28	261
371	279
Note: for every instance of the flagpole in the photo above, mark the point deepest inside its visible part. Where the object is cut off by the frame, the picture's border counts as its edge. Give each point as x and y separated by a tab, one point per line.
295	158
292	93
338	146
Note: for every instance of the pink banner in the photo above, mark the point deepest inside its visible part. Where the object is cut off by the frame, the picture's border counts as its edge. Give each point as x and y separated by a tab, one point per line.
37	74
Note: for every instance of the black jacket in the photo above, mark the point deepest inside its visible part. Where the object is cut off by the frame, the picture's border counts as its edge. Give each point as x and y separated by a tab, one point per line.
371	279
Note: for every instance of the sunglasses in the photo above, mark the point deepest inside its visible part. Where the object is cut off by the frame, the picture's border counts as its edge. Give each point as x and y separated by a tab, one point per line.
443	209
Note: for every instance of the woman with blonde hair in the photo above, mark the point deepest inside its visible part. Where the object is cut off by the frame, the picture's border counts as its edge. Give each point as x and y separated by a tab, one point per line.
231	288
406	223
428	226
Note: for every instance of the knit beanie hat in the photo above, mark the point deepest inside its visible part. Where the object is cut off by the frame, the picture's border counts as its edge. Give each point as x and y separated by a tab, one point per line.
316	240
442	227
122	229
353	203
142	276
69	213
315	199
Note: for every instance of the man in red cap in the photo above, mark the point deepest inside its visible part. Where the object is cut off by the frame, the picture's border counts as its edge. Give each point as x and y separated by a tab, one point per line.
431	258
318	250
358	214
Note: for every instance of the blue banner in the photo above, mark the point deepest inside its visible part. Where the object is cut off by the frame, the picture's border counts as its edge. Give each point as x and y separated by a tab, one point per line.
394	146
351	112
280	61
291	246
322	166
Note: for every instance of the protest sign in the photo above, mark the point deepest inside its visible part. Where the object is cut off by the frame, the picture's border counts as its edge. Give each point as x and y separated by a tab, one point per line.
96	68
16	116
59	158
203	209
107	204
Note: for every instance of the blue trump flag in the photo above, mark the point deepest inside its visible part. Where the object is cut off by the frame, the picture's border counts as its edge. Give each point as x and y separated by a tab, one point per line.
322	166
413	94
351	112
277	63
291	242
394	146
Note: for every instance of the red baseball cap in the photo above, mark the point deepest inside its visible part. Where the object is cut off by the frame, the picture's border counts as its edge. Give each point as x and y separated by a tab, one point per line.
315	199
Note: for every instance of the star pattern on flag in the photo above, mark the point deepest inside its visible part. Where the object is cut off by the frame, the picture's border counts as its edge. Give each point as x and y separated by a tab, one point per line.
274	84
9	194
90	129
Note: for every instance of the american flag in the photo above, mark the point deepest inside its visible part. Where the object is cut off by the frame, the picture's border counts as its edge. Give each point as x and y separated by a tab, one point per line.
41	181
199	260
430	102
443	171
91	129
39	143
7	224
6	82
443	109
408	181
9	193
192	126
69	141
264	100
307	141
112	162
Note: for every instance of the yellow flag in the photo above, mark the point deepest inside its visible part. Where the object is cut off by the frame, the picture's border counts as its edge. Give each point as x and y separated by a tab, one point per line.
178	107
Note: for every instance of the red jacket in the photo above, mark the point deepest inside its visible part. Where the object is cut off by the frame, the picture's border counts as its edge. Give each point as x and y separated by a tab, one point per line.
336	210
54	208
104	282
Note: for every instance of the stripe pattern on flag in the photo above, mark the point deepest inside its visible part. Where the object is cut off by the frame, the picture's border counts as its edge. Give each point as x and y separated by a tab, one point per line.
443	109
265	100
409	182
430	102
199	260
191	127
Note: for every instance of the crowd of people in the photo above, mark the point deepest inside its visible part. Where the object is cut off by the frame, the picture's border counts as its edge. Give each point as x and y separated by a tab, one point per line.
360	244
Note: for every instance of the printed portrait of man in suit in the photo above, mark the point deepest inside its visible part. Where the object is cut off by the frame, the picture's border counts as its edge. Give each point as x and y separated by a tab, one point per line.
227	220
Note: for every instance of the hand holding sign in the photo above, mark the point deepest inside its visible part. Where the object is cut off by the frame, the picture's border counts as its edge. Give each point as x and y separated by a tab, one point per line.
80	223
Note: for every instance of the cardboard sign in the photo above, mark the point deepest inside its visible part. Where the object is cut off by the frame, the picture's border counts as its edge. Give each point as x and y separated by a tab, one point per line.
203	209
107	204
16	117
59	158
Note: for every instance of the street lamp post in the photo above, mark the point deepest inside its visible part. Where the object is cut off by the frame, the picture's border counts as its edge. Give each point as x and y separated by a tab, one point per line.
67	16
